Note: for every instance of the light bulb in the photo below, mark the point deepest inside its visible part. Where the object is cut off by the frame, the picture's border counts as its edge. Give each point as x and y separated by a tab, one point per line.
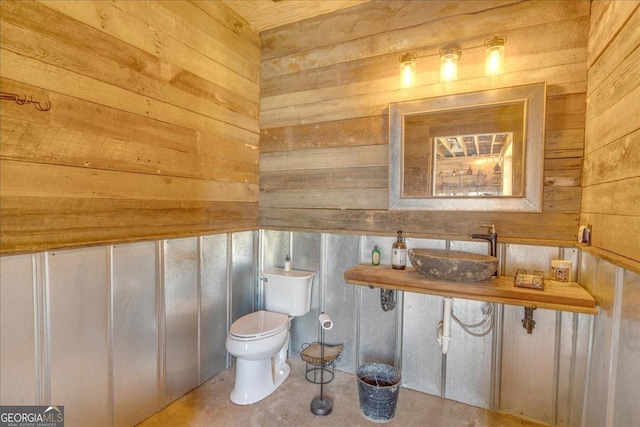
408	70
494	63
449	64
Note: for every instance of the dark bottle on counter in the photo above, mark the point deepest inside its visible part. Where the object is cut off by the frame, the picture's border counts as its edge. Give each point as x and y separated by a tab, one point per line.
399	253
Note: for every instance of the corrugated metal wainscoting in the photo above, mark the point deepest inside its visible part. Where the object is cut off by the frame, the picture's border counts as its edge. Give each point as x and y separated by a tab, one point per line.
115	333
538	376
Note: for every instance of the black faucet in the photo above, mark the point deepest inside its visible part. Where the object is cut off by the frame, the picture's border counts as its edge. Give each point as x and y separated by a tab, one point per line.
492	238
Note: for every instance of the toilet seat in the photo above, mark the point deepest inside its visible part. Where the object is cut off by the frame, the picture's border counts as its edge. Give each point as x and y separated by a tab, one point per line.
258	325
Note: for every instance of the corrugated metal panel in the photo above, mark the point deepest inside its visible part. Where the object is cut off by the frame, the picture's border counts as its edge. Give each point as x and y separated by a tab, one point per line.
384	244
627	382
17	331
598	387
419	346
79	301
532	365
421	356
243	275
476	246
587	272
340	298
135	333
580	367
213	305
181	316
377	329
275	247
468	373
571	254
530	258
529	360
572	365
306	255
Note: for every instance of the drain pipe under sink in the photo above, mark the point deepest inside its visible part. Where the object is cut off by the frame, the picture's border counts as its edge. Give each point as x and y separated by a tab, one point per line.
444	327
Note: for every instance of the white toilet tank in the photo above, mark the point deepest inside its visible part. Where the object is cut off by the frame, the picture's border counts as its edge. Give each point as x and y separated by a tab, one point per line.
287	292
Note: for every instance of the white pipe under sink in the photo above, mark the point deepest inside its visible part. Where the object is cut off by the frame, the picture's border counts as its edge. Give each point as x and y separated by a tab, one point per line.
444	327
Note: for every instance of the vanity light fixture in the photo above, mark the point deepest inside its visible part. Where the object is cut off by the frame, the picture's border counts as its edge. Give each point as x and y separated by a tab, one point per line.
494	64
408	70
449	63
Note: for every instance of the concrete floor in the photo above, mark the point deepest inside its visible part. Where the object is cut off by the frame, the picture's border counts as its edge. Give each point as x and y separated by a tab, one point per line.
209	405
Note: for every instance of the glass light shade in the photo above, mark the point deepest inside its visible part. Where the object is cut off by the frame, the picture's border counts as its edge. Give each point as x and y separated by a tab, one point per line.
494	63
408	70
449	64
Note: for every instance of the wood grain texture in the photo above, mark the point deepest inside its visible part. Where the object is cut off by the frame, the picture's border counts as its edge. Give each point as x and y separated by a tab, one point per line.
33	224
440	225
607	18
611	199
615	161
325	94
265	14
569	297
153	130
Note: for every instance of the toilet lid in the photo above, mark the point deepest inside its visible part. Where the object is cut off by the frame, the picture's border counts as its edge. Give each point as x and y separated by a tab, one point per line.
259	324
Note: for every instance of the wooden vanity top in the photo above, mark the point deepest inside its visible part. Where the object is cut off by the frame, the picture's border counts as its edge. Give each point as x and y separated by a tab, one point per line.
555	296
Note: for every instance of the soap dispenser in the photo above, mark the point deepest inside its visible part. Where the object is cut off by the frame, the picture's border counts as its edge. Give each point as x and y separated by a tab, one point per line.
399	253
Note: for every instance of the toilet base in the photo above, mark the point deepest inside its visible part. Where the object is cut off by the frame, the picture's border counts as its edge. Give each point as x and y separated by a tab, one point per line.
257	379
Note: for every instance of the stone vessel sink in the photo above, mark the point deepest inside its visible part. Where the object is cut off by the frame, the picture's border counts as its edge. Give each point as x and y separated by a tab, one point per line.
456	266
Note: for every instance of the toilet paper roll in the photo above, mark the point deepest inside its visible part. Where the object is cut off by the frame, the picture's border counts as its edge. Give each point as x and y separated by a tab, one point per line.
325	321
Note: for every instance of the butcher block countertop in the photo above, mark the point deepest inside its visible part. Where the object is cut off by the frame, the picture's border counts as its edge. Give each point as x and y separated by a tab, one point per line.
555	296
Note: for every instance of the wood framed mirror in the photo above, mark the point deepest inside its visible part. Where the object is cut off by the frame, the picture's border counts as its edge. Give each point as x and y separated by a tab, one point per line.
479	151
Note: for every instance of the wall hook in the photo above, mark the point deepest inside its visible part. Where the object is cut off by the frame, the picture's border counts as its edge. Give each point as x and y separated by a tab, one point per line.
22	101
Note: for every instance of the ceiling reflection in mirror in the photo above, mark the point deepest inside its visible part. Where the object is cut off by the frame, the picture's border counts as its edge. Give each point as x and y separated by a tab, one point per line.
464	153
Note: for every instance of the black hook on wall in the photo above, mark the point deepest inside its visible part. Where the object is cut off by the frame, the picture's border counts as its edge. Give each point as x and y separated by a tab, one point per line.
19	101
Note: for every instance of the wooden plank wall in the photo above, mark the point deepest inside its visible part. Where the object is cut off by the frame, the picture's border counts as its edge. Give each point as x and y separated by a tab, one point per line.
611	185
153	130
326	85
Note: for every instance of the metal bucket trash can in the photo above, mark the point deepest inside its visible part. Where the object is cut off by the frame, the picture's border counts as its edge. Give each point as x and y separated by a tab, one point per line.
378	388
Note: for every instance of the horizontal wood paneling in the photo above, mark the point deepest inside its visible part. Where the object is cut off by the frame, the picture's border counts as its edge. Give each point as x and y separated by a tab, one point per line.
153	129
401	25
628	35
347	133
325	158
316	179
41	180
607	18
618	160
81	133
142	26
323	97
441	225
611	195
263	15
53	223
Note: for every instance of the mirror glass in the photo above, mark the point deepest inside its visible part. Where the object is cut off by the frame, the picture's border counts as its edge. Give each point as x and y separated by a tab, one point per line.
474	151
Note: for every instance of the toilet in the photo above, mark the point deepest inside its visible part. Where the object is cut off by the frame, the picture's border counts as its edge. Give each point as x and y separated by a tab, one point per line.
260	340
